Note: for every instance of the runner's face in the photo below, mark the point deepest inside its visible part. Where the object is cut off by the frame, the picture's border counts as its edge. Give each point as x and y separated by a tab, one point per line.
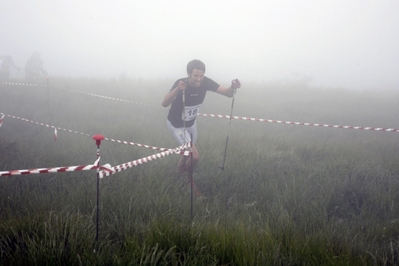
196	77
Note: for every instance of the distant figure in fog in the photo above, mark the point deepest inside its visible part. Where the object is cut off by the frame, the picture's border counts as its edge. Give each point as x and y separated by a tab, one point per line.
34	67
6	63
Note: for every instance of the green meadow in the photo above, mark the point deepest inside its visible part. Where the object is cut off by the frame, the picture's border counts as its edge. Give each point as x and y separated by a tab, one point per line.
289	194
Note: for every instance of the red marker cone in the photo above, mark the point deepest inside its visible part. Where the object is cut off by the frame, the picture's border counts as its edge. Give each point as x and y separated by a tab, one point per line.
98	138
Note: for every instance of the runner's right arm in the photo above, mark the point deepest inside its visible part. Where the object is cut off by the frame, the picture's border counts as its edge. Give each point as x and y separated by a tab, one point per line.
171	96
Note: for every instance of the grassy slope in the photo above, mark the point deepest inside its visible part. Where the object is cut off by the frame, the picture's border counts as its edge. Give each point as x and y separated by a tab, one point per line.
289	194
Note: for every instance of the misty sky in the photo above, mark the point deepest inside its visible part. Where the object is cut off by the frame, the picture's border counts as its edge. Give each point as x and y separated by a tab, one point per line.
338	43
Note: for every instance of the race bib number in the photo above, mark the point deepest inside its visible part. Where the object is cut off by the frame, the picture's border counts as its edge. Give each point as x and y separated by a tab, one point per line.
190	112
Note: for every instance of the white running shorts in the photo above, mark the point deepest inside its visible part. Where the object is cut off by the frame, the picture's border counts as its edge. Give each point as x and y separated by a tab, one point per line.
181	136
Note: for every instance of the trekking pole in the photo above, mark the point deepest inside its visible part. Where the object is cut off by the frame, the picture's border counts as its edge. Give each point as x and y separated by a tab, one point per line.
231	114
184	115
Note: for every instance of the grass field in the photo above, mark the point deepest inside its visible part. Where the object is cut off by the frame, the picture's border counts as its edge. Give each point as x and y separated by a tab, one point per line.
289	194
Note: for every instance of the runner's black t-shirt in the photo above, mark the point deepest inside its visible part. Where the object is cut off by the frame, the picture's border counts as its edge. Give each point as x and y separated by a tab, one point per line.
194	97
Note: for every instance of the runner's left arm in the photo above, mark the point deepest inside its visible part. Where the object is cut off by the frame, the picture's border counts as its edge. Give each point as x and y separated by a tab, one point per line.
235	84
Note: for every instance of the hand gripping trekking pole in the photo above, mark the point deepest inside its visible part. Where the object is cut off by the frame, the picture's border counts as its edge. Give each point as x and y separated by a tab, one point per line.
234	86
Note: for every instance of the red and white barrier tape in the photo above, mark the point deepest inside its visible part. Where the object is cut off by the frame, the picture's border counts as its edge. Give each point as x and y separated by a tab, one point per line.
261	119
248	118
125	166
1	119
57	169
142	145
301	123
22	84
81	133
104	170
49	170
107	97
46	125
82	92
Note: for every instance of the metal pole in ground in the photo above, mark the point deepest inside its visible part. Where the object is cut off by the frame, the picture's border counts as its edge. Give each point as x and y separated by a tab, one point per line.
98	138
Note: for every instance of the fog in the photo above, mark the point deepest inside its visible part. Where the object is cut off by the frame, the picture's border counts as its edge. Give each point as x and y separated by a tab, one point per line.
346	44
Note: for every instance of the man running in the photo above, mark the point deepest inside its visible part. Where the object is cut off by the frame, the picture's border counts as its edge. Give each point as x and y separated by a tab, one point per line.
186	97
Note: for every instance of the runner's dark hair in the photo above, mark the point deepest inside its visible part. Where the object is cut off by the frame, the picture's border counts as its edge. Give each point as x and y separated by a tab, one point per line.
195	64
